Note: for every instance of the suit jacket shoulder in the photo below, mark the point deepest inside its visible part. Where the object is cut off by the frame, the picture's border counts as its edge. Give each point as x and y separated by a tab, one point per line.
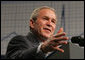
23	47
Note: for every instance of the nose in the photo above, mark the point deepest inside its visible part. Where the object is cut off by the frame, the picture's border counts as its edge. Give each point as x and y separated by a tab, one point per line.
49	24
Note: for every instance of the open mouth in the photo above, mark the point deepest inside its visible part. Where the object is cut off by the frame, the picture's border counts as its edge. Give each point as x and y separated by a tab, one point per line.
47	29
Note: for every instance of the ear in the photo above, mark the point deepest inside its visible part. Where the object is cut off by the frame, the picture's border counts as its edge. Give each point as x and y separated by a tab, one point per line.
31	23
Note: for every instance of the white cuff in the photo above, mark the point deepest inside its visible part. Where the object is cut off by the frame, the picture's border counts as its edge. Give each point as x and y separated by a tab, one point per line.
38	50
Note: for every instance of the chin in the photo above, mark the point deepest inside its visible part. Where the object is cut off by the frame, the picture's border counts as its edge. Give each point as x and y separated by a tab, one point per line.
47	35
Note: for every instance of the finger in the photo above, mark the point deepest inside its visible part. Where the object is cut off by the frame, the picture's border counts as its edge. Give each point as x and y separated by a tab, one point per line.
60	39
56	48
55	44
60	34
62	42
60	30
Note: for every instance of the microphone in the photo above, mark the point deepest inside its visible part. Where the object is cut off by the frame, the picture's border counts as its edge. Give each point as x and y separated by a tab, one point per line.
78	39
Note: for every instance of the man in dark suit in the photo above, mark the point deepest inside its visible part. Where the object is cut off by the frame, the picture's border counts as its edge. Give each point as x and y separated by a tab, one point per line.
40	41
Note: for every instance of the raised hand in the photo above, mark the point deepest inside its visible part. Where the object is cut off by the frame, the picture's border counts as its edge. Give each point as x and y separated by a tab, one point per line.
53	43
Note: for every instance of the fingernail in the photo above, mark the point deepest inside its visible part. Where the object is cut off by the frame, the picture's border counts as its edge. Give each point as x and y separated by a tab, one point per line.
62	50
67	38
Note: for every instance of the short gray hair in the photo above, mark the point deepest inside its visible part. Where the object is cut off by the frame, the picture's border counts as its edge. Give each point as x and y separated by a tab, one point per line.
35	13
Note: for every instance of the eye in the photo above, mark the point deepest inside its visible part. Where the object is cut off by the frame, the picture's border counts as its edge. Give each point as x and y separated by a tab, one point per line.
54	21
45	18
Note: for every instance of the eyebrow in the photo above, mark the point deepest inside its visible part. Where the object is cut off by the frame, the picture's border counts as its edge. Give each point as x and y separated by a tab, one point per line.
48	17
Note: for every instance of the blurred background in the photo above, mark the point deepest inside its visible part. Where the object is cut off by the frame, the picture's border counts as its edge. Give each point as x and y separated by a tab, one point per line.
15	20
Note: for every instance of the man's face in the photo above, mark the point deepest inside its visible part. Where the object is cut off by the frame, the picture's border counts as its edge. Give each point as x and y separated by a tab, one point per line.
46	23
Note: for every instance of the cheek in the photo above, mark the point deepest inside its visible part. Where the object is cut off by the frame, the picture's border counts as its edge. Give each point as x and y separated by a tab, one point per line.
54	27
39	27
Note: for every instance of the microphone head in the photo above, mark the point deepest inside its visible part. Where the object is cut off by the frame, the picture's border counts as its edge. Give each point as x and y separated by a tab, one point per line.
75	39
78	39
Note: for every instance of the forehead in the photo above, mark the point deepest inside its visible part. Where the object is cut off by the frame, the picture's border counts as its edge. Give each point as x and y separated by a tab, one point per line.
47	12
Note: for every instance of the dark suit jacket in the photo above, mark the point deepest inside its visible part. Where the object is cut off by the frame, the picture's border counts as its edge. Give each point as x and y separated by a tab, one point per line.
24	47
